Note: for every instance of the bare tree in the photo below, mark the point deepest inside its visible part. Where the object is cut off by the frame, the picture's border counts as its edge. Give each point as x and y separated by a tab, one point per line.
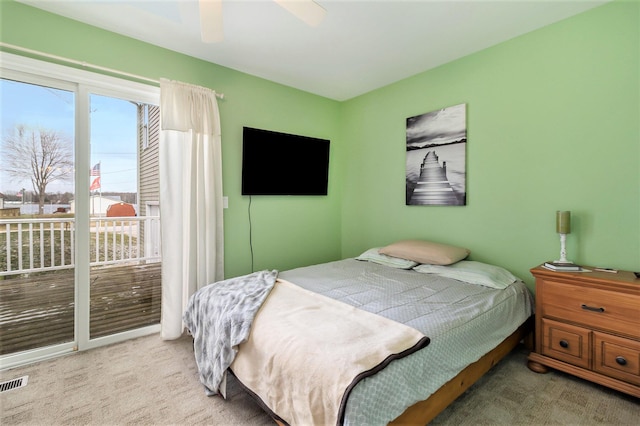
40	155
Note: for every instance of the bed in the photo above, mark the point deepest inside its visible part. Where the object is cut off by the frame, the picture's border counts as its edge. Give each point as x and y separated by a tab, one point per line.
460	317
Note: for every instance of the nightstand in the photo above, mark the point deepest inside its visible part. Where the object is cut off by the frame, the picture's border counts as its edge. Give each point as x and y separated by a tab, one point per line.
588	325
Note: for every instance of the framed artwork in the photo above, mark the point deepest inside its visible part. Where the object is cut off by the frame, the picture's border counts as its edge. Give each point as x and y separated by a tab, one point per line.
436	158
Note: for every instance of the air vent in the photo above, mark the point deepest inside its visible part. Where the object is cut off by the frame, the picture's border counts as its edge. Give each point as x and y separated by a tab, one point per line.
14	384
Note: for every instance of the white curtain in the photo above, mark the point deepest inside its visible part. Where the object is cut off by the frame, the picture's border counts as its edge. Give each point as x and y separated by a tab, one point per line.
190	197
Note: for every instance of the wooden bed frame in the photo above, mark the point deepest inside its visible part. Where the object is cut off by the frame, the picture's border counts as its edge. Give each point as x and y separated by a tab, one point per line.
423	412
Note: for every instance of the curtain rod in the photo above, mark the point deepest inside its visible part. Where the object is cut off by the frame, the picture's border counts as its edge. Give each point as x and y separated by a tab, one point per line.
85	64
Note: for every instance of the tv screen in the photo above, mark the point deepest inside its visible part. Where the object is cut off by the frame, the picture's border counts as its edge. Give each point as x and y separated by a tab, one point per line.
276	163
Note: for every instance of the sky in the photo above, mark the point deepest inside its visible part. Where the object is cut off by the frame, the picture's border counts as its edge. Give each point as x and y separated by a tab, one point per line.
113	132
437	127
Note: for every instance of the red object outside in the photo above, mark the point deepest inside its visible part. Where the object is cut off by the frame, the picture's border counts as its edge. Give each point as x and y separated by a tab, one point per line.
120	210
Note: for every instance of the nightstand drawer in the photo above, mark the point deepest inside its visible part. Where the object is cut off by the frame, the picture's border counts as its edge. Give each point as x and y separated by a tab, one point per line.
566	342
593	307
617	357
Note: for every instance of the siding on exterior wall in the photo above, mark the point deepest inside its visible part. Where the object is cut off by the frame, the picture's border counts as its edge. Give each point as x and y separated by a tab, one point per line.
149	177
149	173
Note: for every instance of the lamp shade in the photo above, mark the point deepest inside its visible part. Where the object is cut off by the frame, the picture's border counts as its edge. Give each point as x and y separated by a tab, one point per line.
563	222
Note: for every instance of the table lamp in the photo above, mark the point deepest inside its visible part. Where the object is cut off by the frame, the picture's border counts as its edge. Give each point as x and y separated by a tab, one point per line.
563	227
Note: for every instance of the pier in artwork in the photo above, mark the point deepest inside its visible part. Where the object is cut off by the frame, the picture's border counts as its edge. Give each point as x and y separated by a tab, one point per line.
433	187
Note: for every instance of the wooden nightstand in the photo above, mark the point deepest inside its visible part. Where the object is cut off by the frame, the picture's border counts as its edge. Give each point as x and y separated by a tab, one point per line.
588	325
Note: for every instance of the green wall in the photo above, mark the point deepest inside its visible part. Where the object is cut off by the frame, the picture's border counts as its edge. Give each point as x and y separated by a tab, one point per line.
552	120
287	231
553	124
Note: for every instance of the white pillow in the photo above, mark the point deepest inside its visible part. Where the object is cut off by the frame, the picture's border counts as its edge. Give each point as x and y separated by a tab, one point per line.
372	255
472	272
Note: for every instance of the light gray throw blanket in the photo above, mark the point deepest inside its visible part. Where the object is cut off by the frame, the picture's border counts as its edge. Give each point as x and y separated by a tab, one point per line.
219	317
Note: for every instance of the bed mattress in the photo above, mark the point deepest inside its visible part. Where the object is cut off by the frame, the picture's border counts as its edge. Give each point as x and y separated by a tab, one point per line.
464	321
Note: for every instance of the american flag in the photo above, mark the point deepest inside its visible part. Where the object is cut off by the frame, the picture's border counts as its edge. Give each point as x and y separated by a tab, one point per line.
95	171
95	184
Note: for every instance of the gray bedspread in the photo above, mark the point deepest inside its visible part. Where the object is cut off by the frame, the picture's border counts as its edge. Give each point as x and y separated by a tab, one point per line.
464	321
219	317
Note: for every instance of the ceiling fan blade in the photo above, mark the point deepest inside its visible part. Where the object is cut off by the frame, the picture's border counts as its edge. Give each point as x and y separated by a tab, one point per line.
211	21
307	11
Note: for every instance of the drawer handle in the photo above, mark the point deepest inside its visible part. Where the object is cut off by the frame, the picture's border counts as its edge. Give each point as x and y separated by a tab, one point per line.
621	361
564	344
591	308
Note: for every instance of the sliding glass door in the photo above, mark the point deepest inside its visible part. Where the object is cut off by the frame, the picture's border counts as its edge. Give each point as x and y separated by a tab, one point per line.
79	246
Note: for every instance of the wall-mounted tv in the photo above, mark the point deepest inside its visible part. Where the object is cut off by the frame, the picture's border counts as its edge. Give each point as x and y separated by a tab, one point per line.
275	163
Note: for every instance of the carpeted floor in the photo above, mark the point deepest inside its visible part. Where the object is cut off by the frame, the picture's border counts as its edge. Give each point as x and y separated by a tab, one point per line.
147	381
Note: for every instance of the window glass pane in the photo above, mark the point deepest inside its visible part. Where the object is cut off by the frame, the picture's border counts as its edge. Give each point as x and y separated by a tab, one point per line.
125	278
36	226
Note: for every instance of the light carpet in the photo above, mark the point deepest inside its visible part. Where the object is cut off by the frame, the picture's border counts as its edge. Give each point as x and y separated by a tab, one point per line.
147	381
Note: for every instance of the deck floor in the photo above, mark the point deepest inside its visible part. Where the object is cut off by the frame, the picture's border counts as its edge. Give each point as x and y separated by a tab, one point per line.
38	310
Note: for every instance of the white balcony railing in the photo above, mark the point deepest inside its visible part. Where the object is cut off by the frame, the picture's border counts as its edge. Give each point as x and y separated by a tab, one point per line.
37	245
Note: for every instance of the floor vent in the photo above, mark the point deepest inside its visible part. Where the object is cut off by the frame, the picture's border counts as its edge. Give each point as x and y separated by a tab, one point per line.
20	382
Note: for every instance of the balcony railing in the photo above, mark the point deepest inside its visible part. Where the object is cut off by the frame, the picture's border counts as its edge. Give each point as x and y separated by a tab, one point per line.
38	245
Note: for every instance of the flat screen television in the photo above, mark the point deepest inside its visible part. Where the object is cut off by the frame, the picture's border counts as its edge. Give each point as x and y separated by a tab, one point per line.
275	163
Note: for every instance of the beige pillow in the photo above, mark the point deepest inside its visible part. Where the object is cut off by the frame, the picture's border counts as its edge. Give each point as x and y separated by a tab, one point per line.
425	252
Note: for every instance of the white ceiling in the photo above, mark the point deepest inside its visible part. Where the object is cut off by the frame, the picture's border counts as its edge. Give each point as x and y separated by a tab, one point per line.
360	46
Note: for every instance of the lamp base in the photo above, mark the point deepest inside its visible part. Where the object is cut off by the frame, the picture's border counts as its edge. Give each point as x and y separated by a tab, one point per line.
563	250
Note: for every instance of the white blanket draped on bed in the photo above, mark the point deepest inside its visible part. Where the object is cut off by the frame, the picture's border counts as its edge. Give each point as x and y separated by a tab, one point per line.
306	351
